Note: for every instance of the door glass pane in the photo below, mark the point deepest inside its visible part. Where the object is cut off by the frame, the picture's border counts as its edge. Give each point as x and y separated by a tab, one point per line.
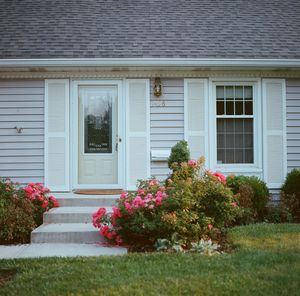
98	124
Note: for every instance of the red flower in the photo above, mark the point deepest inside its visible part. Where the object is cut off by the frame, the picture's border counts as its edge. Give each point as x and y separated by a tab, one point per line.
45	204
116	212
210	226
98	216
220	177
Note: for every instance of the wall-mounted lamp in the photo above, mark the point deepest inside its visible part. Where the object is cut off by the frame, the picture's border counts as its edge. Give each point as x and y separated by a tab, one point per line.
157	87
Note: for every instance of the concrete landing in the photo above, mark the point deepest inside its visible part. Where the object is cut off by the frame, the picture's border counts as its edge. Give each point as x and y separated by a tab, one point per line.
58	250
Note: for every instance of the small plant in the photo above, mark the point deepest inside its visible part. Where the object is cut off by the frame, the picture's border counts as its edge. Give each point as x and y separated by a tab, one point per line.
169	245
205	247
290	193
179	153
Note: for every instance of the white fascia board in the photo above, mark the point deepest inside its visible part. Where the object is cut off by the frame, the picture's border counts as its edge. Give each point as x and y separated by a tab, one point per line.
150	62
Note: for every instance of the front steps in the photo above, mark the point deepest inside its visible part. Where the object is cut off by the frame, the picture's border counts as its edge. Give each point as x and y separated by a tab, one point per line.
66	233
71	214
71	223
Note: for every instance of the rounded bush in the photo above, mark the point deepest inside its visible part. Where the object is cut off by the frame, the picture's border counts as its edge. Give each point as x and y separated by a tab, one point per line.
290	193
253	194
179	153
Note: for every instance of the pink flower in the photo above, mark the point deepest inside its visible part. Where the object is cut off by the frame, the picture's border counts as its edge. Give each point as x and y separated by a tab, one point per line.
220	177
128	207
96	217
210	226
153	182
45	204
138	202
234	204
162	188
55	204
158	200
192	163
31	184
7	189
104	230
141	192
116	212
123	195
28	190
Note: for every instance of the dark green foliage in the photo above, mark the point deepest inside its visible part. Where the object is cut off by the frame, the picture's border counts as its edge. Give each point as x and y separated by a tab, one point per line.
16	215
253	196
179	153
290	193
278	214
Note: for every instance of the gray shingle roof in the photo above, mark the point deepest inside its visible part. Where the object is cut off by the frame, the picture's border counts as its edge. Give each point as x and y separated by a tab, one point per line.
149	28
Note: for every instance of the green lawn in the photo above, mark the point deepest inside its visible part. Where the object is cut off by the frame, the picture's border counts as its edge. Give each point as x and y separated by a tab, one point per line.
266	262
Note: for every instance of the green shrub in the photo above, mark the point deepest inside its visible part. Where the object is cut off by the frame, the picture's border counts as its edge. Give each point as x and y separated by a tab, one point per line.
191	206
21	210
179	153
278	214
253	197
16	215
290	193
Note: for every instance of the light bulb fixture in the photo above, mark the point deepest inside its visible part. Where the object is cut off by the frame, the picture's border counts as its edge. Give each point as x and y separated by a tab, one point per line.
157	87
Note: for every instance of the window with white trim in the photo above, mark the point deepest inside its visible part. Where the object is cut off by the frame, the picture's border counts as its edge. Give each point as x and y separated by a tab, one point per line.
235	124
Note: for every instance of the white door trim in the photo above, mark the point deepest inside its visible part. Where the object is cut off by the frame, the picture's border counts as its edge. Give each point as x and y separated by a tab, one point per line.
74	133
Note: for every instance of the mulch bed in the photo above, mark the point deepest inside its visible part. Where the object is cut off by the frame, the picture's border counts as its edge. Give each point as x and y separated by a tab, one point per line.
6	275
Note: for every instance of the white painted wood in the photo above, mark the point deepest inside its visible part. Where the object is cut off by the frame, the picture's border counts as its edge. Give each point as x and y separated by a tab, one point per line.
137	130
97	168
274	123
57	140
196	116
247	169
75	136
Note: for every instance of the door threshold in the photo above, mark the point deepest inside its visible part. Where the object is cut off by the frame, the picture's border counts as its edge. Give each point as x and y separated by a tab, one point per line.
98	191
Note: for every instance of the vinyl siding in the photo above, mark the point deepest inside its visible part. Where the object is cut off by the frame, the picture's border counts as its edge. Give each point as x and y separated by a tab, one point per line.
22	155
293	123
166	121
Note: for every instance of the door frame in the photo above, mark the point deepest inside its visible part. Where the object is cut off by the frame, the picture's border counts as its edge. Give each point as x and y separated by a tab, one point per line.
74	134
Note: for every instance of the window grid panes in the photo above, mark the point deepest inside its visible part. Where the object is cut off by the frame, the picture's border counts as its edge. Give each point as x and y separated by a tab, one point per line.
234	106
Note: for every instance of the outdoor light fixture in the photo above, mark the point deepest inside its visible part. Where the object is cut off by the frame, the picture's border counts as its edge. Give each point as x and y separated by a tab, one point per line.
157	87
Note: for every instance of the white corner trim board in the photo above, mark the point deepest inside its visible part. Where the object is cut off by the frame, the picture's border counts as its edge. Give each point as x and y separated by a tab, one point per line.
57	142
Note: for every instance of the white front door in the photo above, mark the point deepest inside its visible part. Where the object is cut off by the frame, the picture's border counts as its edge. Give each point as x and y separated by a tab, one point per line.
99	132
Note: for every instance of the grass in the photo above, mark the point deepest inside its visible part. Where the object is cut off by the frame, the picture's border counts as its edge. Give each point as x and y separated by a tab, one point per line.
266	262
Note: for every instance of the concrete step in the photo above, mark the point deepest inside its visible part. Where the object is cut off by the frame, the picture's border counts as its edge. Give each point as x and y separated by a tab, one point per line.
82	200
66	233
71	214
58	250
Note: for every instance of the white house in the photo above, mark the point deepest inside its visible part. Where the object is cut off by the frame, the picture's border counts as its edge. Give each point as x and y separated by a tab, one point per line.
78	108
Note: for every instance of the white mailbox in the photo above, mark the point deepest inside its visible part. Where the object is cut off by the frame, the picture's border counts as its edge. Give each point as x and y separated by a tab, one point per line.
160	155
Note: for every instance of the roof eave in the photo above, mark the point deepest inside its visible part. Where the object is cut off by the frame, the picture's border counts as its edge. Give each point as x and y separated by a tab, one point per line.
150	62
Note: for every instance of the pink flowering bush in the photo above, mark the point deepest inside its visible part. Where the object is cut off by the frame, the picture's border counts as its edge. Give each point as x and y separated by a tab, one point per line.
21	210
39	196
192	204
